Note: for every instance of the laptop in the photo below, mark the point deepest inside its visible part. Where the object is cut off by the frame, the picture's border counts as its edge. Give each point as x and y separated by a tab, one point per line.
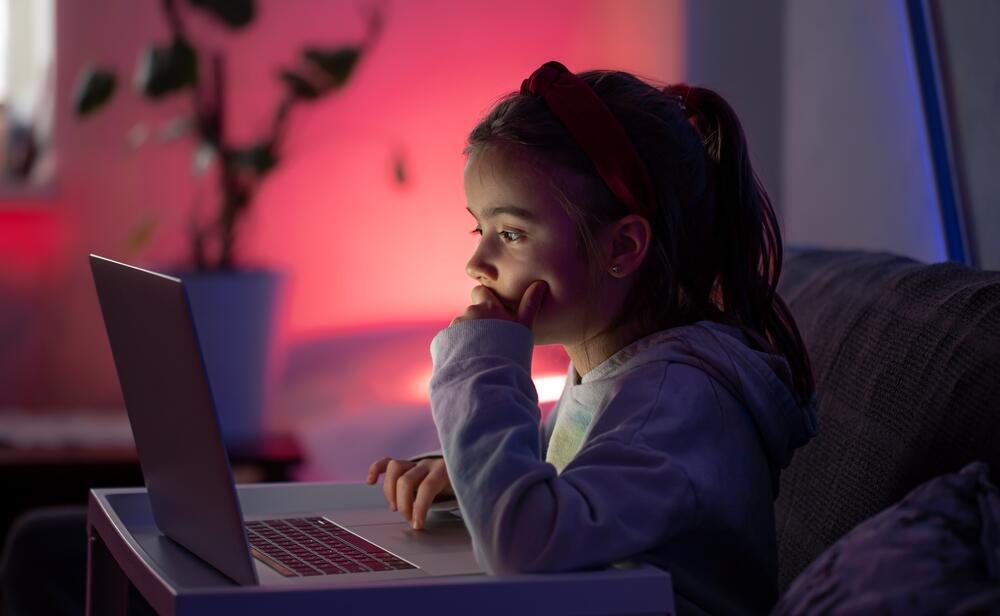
189	480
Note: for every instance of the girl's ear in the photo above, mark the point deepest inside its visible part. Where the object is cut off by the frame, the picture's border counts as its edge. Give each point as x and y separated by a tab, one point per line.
630	239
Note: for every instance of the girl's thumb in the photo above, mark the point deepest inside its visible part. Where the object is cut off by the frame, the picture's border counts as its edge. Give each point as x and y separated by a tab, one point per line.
531	302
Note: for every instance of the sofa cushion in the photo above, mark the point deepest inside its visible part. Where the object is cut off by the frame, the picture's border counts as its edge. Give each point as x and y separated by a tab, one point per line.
937	551
906	358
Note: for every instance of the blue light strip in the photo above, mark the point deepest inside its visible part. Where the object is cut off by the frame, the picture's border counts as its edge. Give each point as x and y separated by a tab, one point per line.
957	238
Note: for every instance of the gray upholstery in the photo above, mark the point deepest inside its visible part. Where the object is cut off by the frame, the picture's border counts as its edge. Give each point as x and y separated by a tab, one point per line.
935	552
906	358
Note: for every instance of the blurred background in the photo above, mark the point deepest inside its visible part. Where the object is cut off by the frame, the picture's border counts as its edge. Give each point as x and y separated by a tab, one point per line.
872	124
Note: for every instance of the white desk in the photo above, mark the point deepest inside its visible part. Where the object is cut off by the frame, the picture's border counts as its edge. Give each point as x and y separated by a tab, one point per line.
125	546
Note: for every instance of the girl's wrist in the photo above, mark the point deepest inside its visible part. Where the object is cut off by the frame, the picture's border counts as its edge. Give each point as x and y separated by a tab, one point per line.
482	337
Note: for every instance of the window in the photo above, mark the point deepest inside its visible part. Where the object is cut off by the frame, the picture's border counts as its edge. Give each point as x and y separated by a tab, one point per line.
27	90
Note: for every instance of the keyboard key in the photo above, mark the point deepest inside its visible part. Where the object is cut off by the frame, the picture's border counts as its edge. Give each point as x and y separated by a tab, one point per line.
362	544
354	568
332	569
301	567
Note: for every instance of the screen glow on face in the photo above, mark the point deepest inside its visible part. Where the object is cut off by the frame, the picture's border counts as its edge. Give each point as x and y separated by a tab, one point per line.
525	235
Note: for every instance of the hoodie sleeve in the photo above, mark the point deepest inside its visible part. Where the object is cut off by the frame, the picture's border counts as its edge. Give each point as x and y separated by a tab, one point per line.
620	496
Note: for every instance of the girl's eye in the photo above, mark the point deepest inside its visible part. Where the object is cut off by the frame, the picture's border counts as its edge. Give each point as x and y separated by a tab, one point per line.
507	236
511	236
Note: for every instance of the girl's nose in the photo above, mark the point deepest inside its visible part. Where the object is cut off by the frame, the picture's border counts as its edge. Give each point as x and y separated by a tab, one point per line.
479	266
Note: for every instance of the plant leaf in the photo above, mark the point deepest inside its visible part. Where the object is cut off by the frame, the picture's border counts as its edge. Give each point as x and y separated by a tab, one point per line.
234	13
176	127
299	85
203	158
337	64
137	136
140	235
399	172
94	88
166	69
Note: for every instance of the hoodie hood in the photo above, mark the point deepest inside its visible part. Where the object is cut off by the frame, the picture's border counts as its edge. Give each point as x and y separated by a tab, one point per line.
761	381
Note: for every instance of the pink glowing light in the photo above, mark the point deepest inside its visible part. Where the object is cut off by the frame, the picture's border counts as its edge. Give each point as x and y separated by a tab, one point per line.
548	386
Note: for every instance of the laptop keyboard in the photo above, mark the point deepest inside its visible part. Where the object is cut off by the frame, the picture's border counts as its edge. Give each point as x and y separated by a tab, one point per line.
316	546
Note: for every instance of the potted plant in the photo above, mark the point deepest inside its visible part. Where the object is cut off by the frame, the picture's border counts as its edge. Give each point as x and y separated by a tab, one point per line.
233	306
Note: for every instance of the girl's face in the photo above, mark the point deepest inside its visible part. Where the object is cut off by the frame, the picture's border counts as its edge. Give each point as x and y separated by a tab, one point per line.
528	236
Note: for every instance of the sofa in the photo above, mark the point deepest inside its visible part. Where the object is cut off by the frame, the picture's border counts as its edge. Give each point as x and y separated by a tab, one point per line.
906	358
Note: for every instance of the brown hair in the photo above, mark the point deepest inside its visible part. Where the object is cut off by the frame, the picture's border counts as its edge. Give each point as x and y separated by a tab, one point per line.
716	252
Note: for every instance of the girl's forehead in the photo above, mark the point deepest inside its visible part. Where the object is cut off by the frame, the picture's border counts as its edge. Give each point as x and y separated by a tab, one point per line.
498	167
491	175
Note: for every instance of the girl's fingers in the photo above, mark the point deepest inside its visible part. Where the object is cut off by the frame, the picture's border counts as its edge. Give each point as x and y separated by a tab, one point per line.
431	486
481	311
481	295
406	488
487	302
393	470
531	302
377	468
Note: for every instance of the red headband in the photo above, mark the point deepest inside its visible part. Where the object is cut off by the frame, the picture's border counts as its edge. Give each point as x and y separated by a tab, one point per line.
597	131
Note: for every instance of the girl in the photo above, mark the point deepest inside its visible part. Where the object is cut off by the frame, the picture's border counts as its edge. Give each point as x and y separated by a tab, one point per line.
625	223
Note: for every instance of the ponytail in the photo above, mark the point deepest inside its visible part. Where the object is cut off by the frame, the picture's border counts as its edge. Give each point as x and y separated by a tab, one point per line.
747	240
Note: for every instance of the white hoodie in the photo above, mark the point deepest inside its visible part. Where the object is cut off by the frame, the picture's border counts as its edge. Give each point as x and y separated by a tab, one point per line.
678	466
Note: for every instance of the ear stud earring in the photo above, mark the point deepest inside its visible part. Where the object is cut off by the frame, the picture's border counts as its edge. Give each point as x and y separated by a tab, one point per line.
616	269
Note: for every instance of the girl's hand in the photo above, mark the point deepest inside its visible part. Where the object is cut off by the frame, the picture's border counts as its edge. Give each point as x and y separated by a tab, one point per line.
486	305
410	487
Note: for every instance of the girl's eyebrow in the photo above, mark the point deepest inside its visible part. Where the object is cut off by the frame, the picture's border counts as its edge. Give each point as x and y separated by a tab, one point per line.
512	210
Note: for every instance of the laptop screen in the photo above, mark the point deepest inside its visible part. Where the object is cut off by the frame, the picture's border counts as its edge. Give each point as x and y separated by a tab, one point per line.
172	414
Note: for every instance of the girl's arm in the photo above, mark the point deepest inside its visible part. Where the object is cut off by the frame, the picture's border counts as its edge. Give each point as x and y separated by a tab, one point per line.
621	495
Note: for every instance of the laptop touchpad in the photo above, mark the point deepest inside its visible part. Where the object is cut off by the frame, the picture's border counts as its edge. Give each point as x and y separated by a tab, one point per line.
442	532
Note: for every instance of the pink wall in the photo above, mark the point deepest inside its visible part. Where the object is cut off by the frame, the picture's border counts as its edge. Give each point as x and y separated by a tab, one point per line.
359	250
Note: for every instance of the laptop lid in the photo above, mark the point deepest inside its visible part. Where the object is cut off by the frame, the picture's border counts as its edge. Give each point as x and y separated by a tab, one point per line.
172	414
